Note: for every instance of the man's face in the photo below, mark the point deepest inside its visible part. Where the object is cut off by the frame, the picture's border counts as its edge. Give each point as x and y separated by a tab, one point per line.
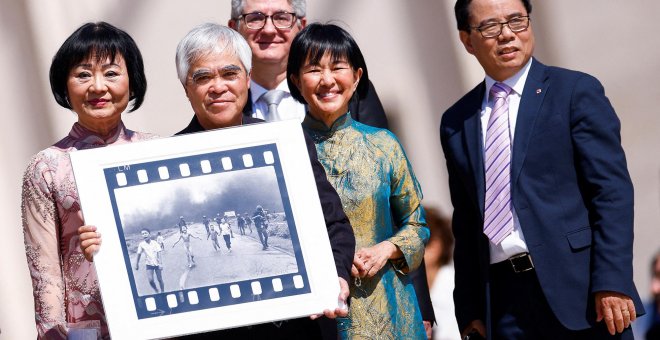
217	88
269	44
502	56
145	234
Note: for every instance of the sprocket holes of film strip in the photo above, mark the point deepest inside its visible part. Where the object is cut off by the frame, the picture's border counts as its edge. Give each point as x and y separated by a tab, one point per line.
207	166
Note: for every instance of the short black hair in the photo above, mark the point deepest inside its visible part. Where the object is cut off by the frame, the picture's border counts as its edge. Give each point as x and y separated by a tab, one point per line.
462	13
313	42
101	41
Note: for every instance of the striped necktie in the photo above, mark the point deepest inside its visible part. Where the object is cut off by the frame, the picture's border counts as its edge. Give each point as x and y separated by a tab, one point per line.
498	216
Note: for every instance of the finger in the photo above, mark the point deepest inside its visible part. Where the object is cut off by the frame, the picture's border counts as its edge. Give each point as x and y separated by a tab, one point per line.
89	253
609	320
329	314
87	235
86	228
599	310
354	271
374	270
362	271
481	328
340	312
89	242
626	319
315	316
343	290
618	319
360	265
631	309
90	238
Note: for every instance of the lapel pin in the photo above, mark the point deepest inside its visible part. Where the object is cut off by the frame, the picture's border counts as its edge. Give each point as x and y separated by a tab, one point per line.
538	91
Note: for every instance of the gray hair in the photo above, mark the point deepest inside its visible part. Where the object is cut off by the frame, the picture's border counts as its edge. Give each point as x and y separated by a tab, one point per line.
299	7
207	39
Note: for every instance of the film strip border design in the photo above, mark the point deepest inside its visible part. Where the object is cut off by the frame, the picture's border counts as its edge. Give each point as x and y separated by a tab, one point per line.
219	295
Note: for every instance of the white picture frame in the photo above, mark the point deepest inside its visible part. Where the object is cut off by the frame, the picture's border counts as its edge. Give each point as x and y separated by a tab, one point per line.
151	183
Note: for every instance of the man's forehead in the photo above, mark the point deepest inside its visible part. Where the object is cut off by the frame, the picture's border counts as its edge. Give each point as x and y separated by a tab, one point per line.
265	5
488	10
221	62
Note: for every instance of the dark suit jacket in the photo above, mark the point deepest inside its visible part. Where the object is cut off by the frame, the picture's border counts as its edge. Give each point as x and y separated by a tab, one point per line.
569	185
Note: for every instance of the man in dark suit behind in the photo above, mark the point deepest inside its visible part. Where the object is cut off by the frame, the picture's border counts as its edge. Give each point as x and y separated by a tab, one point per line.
543	202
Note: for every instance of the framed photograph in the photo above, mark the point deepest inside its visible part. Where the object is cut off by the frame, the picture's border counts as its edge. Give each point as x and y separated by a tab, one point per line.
207	231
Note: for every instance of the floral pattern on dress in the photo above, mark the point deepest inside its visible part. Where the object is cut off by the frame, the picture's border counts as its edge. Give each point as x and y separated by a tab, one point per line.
65	285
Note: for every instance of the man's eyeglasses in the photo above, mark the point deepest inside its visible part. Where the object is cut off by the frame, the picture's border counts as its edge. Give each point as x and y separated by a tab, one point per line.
492	30
257	20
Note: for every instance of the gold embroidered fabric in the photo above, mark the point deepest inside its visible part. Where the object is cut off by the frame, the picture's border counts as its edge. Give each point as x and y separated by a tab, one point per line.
381	196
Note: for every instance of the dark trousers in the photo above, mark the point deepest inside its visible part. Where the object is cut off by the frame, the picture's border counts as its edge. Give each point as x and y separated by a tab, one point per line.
227	241
263	235
519	310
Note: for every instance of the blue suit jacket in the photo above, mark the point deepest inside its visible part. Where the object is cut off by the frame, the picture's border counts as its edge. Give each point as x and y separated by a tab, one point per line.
570	188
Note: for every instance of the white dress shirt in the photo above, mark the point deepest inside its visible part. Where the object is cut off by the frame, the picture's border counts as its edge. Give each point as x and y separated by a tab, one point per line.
514	243
289	108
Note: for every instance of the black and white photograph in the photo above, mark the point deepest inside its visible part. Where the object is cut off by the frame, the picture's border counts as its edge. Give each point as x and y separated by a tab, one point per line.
192	232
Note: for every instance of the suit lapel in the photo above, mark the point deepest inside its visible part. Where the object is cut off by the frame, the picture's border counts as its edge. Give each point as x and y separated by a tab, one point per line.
530	103
473	141
247	109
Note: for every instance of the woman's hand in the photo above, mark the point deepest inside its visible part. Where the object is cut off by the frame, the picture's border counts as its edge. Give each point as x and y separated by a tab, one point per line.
90	241
341	311
368	261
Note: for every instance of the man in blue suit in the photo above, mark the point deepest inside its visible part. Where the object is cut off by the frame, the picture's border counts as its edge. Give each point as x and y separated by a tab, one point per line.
543	202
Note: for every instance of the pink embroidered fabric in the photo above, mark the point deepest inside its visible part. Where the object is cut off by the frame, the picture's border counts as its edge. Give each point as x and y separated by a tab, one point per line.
65	286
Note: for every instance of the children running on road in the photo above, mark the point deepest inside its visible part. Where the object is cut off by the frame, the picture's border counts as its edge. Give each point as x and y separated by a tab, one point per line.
185	236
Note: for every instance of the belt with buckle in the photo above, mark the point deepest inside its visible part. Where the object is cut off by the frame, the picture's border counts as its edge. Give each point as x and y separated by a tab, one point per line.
518	263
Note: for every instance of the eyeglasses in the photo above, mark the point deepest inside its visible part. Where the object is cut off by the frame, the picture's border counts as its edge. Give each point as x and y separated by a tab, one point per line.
257	20
492	30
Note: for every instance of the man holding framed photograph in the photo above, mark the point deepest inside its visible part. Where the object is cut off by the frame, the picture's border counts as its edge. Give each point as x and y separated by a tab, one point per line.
213	64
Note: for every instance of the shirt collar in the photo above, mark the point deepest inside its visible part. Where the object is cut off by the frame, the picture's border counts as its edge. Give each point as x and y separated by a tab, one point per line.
258	90
86	136
515	82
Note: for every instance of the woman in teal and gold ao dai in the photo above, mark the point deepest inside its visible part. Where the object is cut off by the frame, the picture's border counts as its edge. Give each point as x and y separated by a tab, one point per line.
370	171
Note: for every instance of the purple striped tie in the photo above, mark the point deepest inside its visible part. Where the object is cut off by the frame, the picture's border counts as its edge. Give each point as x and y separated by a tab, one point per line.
498	218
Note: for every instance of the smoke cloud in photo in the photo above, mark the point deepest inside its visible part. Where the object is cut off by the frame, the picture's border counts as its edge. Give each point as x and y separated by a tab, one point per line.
159	205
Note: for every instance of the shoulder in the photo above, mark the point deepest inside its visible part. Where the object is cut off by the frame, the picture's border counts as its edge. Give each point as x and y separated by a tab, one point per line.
386	138
572	78
133	136
43	165
137	136
454	117
376	136
383	140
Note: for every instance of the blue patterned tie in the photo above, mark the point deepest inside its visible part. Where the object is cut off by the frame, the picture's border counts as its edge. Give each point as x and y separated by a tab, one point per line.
498	217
